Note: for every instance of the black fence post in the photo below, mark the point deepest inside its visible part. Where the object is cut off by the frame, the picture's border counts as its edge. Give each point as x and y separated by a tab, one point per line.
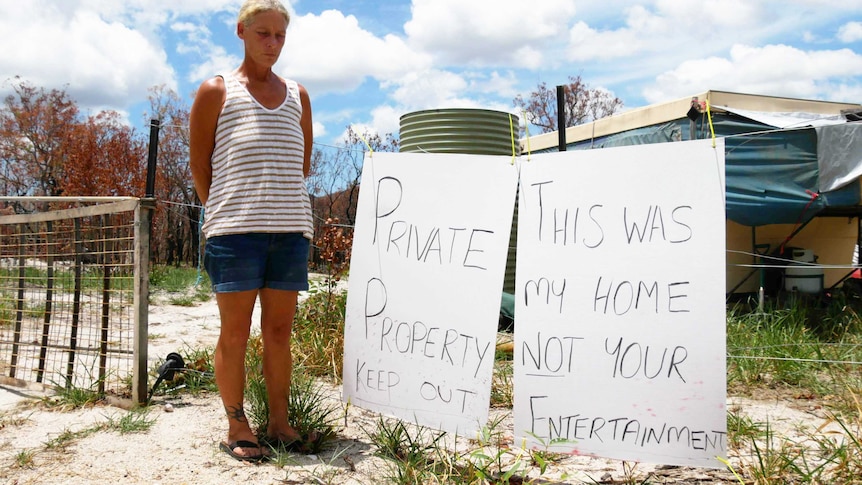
151	159
561	117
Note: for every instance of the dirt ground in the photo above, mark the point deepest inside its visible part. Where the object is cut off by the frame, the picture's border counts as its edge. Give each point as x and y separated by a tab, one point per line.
182	445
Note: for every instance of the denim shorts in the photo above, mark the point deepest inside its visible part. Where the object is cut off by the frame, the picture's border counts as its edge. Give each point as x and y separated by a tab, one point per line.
240	262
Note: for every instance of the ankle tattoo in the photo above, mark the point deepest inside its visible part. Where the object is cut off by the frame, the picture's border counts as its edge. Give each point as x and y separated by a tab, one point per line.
235	413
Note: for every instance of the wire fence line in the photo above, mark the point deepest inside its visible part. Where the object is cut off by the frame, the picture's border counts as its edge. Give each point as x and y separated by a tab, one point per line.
795	359
73	283
73	295
777	262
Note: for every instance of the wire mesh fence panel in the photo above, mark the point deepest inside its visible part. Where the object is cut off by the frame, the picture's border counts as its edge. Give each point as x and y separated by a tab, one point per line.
67	294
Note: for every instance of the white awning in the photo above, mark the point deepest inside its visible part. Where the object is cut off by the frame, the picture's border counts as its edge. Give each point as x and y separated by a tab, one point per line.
787	119
839	154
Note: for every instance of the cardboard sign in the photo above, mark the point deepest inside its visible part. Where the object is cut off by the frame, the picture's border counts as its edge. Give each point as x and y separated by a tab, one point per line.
620	312
426	277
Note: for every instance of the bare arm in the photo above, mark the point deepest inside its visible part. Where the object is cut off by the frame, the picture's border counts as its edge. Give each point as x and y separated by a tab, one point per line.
307	130
202	125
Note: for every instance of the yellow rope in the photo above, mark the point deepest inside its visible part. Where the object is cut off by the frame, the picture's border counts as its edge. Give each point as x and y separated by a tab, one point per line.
727	463
711	128
370	151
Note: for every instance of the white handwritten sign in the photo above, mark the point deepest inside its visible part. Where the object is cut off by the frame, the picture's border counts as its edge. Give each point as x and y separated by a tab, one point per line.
426	278
620	316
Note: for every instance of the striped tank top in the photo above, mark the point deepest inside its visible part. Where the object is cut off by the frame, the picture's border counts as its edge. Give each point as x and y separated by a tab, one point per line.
257	179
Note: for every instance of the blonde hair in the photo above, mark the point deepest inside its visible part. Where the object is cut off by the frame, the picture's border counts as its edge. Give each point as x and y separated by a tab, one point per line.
250	8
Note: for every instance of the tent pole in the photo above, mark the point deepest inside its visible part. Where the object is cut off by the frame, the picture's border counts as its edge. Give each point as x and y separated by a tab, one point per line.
742	282
760	291
751	273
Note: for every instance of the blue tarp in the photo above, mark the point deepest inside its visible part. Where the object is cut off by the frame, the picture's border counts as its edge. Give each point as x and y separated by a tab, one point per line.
772	174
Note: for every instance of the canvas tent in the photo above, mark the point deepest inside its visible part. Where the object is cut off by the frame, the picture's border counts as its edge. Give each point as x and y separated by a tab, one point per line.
793	170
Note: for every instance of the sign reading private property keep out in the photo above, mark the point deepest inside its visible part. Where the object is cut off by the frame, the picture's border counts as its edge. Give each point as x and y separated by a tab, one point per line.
426	277
620	313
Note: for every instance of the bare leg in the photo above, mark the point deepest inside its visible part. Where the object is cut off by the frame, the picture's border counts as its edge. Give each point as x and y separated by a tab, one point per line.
278	308
235	310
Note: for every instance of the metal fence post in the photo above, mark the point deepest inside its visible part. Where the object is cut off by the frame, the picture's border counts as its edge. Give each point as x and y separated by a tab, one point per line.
143	221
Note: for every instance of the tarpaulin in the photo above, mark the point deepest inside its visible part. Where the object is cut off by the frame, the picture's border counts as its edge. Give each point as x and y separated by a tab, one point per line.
781	168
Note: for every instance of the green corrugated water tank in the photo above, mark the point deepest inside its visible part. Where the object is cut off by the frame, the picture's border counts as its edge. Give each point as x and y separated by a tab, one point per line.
465	130
458	130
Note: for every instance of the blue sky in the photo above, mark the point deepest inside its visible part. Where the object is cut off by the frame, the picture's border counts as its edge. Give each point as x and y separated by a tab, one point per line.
367	62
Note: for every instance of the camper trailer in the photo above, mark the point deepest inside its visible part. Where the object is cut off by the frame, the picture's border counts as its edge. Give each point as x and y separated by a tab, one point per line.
792	173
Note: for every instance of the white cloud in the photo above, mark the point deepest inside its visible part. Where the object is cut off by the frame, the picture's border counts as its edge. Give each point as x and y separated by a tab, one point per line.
776	70
438	89
217	62
387	120
495	83
445	89
196	36
850	32
586	44
330	52
105	53
845	92
197	41
482	33
319	129
707	18
108	52
430	88
98	63
666	29
384	120
154	12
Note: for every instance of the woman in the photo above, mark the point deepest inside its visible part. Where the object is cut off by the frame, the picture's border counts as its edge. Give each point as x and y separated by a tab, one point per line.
250	151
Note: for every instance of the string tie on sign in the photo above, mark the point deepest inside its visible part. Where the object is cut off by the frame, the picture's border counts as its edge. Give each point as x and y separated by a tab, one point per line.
370	150
709	118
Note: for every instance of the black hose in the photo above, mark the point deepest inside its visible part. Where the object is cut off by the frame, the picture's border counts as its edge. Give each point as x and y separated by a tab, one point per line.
172	364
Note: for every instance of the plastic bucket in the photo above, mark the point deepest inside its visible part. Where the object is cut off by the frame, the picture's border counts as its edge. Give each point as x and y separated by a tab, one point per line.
806	276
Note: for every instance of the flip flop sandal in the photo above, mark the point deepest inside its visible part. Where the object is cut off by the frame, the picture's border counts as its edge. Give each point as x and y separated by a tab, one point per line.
229	449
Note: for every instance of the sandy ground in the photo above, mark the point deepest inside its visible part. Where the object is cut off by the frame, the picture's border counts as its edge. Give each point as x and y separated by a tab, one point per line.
182	445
